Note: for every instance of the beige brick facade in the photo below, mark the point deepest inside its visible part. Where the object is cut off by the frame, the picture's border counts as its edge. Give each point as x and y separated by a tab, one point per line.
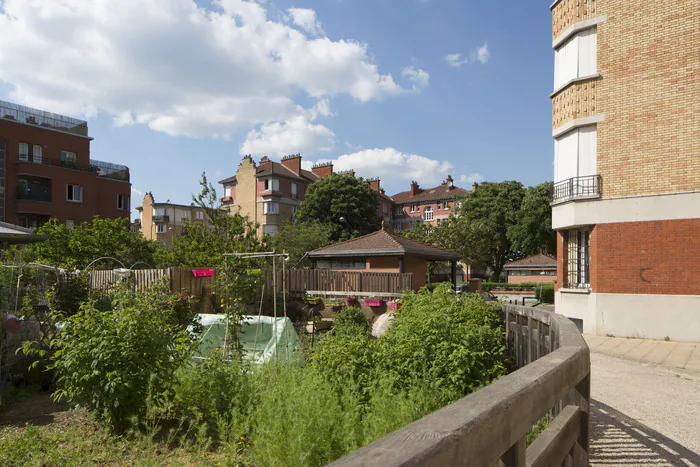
566	13
577	100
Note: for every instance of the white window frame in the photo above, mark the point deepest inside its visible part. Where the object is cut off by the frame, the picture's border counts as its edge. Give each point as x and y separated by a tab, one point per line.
24	152
200	215
227	191
399	211
413	208
428	214
37	154
71	193
578	258
269	205
160	228
576	58
271	185
294	190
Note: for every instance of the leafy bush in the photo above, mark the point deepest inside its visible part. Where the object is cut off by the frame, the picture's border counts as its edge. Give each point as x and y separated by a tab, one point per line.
452	342
545	293
114	361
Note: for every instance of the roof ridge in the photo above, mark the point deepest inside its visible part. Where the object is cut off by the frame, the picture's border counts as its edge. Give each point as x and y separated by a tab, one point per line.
422	243
393	239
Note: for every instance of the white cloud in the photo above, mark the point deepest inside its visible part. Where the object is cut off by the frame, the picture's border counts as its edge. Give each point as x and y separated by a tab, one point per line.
392	165
296	135
305	18
470	179
455	60
418	77
483	54
176	67
136	192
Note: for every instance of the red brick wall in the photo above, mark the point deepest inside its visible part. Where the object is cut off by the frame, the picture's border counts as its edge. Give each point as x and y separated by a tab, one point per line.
660	257
561	263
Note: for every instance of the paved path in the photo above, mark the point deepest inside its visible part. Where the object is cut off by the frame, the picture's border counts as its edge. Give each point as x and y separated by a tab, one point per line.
645	407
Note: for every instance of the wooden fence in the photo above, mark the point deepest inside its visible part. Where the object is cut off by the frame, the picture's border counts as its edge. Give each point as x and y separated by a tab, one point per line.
489	427
301	280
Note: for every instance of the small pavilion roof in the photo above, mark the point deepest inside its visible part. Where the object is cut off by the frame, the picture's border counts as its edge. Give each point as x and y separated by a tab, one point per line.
536	261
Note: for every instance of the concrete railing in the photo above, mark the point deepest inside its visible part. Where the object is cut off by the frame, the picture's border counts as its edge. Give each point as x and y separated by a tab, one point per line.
489	427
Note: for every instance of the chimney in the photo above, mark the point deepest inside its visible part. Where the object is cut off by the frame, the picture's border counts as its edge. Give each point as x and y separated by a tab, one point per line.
374	183
475	186
415	189
449	182
293	163
323	170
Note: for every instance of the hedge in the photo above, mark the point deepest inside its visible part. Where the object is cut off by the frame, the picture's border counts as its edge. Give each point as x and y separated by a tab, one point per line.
545	293
506	286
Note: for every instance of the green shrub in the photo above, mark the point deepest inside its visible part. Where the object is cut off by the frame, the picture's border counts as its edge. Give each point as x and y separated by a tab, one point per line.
115	361
545	293
488	286
452	342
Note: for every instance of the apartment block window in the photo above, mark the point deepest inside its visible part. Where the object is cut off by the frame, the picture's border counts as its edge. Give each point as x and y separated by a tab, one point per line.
160	228
578	259
23	151
428	213
577	58
123	202
70	224
270	229
227	191
74	193
67	156
272	184
271	207
37	154
200	215
399	211
294	190
575	154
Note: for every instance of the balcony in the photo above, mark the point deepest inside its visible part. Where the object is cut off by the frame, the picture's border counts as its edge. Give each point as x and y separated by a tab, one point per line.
34	189
43	119
102	169
586	187
161	219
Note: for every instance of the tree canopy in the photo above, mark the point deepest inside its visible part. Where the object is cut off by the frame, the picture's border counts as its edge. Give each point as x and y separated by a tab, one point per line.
298	238
533	231
341	195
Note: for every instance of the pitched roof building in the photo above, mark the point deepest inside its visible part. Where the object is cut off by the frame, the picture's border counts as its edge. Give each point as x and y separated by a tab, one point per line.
431	205
537	268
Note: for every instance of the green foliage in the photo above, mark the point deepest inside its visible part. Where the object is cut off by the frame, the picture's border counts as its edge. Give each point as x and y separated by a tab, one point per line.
298	238
203	245
533	231
545	293
451	342
76	249
341	195
537	430
114	360
488	286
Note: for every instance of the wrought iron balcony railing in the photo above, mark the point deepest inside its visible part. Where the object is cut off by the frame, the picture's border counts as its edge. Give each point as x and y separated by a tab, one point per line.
161	218
41	118
577	187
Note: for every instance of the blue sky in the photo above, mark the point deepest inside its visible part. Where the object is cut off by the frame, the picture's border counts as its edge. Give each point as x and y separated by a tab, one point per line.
167	89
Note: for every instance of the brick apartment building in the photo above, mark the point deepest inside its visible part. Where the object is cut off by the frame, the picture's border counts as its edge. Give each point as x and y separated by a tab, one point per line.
46	171
626	200
161	221
429	205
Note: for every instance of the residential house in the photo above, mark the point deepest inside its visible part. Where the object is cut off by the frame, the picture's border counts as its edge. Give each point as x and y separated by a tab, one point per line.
162	221
269	193
626	197
539	268
46	171
430	205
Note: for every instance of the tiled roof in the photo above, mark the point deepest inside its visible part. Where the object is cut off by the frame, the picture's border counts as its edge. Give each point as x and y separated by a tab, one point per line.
540	260
228	180
275	168
429	194
382	243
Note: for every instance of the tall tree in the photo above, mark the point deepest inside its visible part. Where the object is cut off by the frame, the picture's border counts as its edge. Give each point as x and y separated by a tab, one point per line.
339	196
205	244
533	231
298	238
486	215
110	238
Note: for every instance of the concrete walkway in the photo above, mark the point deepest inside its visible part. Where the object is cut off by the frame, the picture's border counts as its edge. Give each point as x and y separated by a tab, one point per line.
680	355
645	407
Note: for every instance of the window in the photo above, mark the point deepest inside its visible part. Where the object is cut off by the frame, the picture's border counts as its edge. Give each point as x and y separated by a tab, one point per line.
160	228
270	229
413	208
578	259
532	272
575	154
272	184
23	151
123	202
70	224
36	154
200	215
74	193
67	156
341	264
227	191
271	207
385	209
447	206
294	213
399	211
439	206
294	190
428	213
577	58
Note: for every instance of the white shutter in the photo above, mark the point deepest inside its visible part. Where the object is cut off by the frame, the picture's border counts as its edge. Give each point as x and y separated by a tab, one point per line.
588	52
566	62
587	151
566	153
